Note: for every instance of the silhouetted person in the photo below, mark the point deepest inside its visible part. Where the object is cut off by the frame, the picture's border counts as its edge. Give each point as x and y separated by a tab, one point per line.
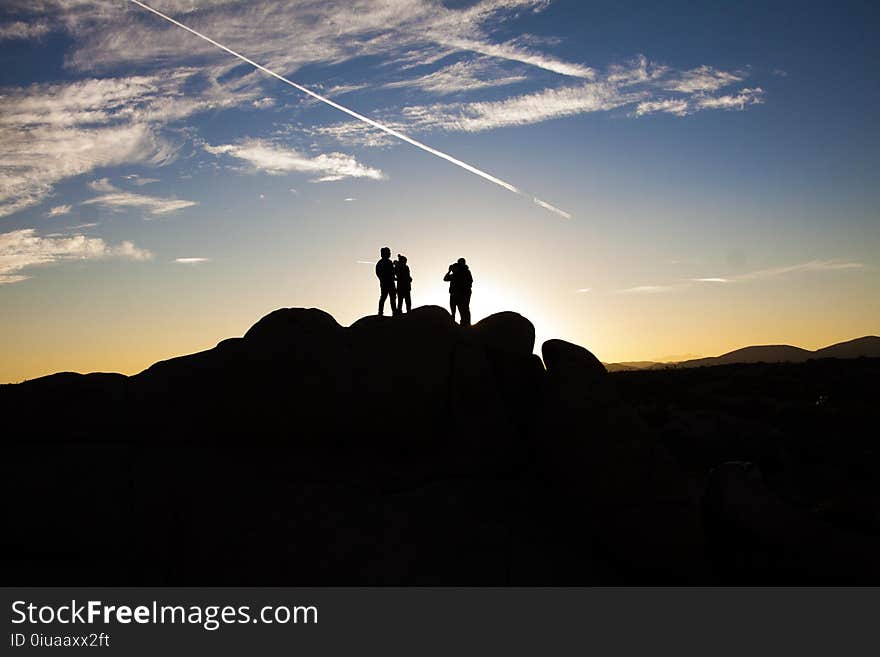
385	274
404	283
460	282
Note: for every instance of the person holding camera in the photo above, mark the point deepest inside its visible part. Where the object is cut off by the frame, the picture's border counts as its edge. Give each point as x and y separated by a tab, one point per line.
460	282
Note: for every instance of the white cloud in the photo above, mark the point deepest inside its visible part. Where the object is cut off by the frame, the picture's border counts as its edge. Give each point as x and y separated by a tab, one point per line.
737	101
263	103
637	82
685	106
276	160
466	75
117	199
57	131
59	210
357	133
37	158
24	31
49	132
146	99
638	70
520	110
191	261
677	106
583	290
102	185
153	205
701	79
341	89
111	121
401	32
22	249
511	50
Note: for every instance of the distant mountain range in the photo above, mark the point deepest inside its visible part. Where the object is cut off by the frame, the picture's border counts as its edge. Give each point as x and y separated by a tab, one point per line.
868	346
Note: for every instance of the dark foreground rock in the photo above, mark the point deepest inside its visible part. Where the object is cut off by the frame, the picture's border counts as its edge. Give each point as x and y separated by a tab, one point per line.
402	450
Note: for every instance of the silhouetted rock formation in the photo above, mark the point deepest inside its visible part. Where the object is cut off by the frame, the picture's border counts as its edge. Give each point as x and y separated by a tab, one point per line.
404	450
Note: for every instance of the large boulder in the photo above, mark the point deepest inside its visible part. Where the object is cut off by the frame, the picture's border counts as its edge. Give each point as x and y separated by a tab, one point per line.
564	357
506	332
631	496
287	325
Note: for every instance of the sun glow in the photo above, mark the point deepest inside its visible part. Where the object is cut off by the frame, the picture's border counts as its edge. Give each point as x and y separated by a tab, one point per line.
493	296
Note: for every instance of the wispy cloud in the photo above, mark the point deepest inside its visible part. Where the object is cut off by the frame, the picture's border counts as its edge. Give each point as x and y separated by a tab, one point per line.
58	210
263	103
583	290
701	79
676	106
117	199
356	133
36	159
151	204
327	32
104	122
22	249
101	185
645	87
22	30
696	103
773	272
647	289
738	101
518	110
129	120
191	261
276	160
467	75
514	51
762	274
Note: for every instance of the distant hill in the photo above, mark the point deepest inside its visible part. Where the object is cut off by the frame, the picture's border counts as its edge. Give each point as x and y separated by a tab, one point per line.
629	366
868	347
772	353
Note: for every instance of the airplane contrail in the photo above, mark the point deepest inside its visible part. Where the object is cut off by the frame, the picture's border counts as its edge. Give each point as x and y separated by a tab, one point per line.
361	117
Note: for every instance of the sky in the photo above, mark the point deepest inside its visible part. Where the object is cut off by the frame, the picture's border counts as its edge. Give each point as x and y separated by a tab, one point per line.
707	172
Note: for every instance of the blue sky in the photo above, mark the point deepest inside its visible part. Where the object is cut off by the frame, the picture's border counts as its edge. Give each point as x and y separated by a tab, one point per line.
719	163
